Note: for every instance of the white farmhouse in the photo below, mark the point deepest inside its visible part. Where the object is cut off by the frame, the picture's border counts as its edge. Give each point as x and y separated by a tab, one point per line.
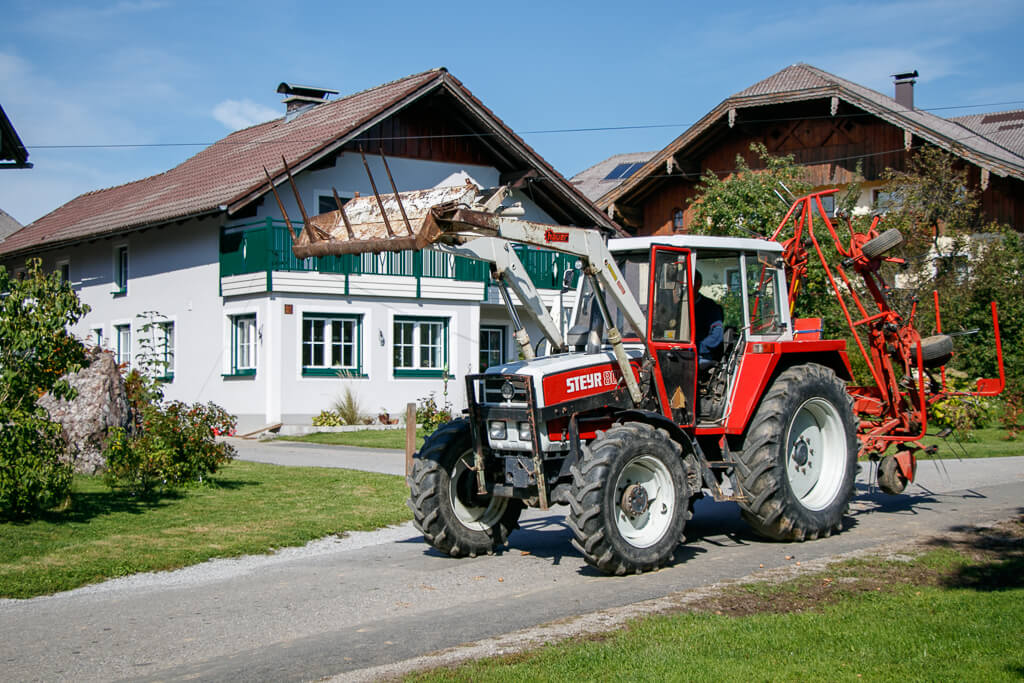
274	339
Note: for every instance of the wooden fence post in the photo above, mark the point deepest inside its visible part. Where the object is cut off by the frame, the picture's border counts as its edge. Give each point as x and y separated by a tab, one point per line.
410	436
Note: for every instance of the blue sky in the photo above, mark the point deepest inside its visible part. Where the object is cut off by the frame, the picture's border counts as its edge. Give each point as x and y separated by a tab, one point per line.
156	72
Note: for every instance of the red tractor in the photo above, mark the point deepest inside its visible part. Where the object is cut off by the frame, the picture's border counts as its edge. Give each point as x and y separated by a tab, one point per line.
683	375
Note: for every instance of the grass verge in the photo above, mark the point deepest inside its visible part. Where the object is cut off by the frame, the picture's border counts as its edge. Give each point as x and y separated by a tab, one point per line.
952	612
246	508
365	438
987	443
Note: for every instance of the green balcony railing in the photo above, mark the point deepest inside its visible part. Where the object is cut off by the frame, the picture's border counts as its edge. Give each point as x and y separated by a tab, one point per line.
264	246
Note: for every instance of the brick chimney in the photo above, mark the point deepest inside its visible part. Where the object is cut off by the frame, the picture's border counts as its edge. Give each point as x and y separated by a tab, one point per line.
904	86
300	98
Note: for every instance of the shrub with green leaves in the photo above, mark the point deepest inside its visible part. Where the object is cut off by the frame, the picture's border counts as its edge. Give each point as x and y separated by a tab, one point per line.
431	416
36	350
169	444
327	418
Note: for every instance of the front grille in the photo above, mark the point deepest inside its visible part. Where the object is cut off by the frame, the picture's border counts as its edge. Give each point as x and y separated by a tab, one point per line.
492	390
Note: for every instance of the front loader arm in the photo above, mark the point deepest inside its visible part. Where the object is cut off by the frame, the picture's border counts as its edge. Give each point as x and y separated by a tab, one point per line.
506	268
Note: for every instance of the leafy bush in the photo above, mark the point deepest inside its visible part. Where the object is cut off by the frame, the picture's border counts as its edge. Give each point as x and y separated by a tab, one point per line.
36	350
430	416
32	477
327	418
169	444
963	414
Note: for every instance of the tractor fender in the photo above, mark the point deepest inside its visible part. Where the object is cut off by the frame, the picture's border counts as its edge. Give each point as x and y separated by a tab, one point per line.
758	371
659	421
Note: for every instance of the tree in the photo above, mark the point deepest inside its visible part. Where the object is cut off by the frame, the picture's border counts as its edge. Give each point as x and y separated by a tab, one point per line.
36	350
745	203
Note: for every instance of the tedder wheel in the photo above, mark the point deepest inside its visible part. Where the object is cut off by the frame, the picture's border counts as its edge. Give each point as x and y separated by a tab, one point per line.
890	479
889	239
443	496
629	499
936	350
799	457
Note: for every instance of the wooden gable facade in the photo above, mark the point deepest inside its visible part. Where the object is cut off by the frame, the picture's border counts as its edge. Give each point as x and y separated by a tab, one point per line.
826	134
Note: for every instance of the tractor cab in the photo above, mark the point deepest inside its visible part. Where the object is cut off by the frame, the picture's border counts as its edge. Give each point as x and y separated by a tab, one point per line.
704	299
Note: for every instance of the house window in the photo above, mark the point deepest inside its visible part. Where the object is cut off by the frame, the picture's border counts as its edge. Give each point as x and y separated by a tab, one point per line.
421	347
123	333
828	202
492	347
243	344
120	270
64	268
677	220
885	200
97	336
331	344
325	201
165	349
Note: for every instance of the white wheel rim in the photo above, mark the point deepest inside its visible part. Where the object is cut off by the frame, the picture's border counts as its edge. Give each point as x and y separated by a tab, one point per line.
816	454
647	528
476	518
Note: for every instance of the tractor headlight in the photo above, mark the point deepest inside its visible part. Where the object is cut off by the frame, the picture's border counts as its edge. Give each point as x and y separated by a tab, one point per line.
525	434
496	430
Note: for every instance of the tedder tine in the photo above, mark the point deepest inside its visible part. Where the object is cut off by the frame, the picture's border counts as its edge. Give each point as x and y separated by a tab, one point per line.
380	203
394	189
279	204
344	216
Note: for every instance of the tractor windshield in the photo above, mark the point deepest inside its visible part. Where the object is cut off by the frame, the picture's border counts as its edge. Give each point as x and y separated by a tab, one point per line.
635	269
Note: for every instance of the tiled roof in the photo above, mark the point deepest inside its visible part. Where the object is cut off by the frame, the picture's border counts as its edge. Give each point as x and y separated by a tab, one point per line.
217	176
1005	128
7	224
594	182
804	82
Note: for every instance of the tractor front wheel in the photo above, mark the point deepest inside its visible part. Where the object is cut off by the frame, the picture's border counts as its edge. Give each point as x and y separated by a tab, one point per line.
797	466
453	516
629	500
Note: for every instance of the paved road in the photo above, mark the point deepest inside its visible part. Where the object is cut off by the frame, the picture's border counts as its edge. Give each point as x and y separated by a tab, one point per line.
372	599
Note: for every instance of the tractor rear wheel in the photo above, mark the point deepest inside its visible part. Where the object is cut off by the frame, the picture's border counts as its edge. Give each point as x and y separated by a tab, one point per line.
443	497
629	500
799	457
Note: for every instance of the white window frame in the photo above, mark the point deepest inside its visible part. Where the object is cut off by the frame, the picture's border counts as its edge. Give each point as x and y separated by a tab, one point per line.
248	322
326	343
329	196
123	338
122	270
419	323
502	333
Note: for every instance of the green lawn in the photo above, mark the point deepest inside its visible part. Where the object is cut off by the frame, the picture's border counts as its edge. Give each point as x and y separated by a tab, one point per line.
986	443
366	438
246	508
947	615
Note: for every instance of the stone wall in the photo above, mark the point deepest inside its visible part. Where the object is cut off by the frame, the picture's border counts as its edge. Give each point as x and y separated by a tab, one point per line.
100	404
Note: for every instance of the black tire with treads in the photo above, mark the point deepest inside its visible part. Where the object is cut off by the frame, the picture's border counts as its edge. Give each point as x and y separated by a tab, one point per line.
444	511
806	407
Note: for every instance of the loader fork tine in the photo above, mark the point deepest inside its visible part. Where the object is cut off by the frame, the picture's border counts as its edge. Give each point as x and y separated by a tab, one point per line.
306	227
344	216
280	205
380	202
394	189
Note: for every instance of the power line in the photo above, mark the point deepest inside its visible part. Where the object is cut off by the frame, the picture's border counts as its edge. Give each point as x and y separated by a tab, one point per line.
594	129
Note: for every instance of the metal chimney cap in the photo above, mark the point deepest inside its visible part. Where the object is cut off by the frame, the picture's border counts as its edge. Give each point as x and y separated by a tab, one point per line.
304	90
899	77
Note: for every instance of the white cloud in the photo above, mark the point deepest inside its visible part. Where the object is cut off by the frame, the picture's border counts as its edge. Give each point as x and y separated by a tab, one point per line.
236	114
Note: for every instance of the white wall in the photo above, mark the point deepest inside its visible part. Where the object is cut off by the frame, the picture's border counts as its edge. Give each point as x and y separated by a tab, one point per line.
175	271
